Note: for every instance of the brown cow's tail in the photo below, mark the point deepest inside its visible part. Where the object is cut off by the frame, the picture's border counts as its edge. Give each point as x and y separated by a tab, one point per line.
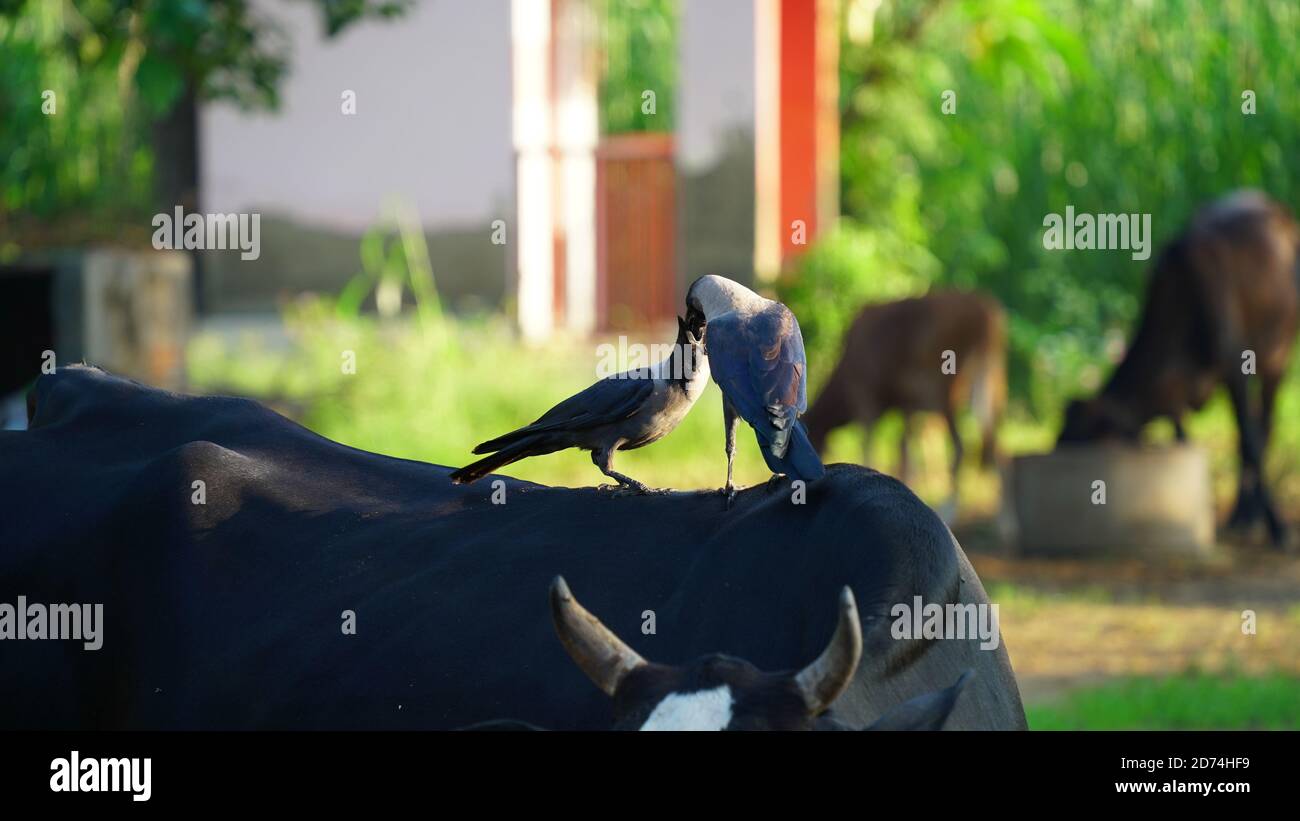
989	385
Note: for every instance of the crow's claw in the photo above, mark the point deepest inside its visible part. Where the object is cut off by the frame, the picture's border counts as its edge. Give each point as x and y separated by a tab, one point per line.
631	489
730	493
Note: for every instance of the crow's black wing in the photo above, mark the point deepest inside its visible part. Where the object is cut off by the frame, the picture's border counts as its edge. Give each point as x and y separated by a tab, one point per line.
758	361
610	400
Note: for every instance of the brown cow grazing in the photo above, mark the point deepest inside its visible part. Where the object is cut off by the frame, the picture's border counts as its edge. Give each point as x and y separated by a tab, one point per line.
933	353
1223	295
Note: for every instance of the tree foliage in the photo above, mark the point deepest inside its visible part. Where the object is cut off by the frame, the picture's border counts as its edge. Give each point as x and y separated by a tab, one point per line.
1112	106
115	67
638	49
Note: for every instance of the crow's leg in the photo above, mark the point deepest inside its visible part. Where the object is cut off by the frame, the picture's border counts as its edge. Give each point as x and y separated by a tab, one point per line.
604	459
730	421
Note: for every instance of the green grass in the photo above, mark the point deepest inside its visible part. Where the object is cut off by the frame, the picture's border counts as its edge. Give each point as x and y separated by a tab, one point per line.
1026	600
432	396
1192	701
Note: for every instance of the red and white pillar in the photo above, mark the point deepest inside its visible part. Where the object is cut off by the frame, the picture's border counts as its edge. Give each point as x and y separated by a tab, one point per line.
796	141
556	130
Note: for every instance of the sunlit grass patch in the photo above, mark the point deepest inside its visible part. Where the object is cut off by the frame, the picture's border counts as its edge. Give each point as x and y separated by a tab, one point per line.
1192	701
1027	600
432	397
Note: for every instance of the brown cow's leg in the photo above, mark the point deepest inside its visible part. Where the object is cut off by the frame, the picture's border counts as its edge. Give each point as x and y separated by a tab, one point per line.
904	460
1246	510
1253	501
954	433
1180	433
866	417
1269	383
989	444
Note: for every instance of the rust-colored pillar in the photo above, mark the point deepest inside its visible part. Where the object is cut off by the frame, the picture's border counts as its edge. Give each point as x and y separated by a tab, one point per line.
798	141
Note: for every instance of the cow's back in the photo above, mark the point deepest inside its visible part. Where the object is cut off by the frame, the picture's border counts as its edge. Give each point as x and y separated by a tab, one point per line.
1227	284
893	351
1245	253
229	613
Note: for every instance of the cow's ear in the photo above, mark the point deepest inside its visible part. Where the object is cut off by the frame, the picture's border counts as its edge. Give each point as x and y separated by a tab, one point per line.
927	712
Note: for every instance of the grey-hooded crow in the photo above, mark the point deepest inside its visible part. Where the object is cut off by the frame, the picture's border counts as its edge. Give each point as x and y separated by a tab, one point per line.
756	355
621	412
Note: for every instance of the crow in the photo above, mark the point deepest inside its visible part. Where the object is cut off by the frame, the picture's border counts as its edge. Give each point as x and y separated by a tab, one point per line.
621	412
756	356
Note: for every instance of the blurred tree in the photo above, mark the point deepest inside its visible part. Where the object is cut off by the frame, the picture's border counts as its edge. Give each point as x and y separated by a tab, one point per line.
126	76
833	284
1111	106
639	54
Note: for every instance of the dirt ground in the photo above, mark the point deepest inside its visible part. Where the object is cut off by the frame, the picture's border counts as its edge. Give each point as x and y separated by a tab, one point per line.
1075	623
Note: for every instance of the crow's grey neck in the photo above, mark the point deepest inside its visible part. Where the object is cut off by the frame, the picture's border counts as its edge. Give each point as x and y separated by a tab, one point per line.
719	295
681	369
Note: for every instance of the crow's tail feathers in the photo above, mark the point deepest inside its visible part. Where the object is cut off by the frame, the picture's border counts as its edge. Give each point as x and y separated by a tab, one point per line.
505	440
801	459
511	453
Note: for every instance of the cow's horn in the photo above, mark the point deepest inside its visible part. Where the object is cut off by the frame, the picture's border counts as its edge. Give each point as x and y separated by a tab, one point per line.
825	679
593	647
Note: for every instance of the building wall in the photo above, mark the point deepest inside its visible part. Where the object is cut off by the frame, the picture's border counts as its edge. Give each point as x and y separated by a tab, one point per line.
715	140
432	128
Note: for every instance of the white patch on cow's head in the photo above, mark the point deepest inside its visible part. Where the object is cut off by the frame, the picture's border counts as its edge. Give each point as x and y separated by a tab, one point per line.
701	710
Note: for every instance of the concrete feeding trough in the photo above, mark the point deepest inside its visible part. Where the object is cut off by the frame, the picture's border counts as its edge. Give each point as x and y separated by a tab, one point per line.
1157	501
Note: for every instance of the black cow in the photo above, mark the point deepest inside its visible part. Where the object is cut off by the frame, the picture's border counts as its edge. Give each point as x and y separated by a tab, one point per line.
228	614
718	692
